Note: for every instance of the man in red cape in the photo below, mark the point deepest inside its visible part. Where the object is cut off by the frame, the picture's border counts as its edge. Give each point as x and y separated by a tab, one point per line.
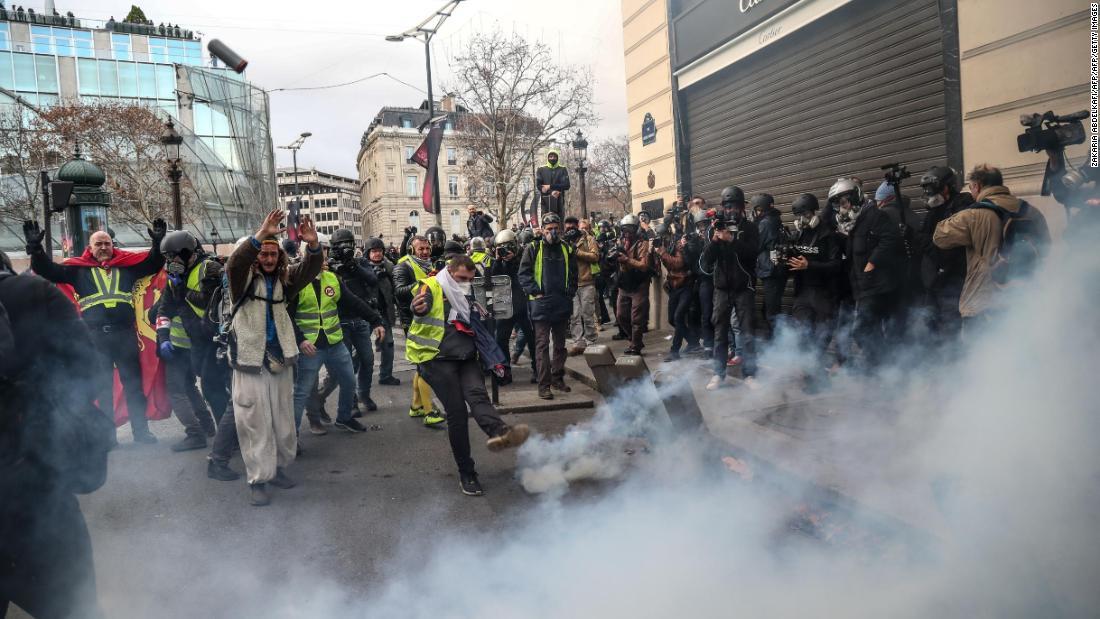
113	289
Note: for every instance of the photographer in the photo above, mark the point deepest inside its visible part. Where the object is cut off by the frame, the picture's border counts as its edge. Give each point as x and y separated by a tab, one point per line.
387	307
632	307
771	270
816	265
605	240
359	278
731	259
548	274
680	286
506	247
478	224
583	323
942	270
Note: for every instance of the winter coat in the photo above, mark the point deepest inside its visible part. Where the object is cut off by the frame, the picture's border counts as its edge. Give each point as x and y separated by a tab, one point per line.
559	282
942	269
557	177
635	271
909	226
404	287
979	230
384	300
677	270
588	253
733	264
358	278
821	247
771	233
478	225
875	238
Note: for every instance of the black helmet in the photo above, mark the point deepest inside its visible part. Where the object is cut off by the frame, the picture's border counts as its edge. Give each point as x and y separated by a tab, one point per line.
732	195
701	218
290	247
806	202
375	243
342	235
762	201
451	248
179	243
551	218
436	237
526	236
937	178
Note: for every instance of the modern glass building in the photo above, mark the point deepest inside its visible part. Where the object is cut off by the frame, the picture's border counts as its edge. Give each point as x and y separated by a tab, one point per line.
47	60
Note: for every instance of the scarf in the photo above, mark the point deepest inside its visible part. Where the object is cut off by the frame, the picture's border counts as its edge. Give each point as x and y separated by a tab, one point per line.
460	305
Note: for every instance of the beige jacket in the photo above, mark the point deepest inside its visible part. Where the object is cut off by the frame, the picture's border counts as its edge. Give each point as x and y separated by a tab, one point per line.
979	230
587	253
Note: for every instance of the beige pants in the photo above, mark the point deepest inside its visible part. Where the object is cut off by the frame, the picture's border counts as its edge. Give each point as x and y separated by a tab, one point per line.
263	405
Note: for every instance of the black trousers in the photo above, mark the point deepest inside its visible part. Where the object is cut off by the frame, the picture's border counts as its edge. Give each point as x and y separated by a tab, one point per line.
814	310
744	301
46	557
183	393
213	375
504	336
550	368
118	346
226	438
706	311
773	302
680	301
601	291
878	326
459	384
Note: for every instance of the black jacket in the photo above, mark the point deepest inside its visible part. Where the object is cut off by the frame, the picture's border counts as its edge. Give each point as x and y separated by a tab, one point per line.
942	268
349	306
178	300
358	278
478	225
771	232
80	278
909	226
404	287
822	249
733	264
384	300
875	238
557	177
519	297
557	290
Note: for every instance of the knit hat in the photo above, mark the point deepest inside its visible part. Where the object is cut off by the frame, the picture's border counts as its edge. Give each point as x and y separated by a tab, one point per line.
885	191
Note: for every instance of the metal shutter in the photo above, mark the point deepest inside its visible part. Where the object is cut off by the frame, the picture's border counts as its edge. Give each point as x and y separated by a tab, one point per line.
859	88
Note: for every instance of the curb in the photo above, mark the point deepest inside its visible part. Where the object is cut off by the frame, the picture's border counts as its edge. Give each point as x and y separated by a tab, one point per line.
546	406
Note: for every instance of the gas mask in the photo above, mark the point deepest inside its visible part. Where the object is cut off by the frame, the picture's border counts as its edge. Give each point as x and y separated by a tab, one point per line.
343	253
806	223
553	237
175	268
935	201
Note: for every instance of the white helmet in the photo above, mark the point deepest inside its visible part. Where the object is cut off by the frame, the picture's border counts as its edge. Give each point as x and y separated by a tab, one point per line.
504	236
629	220
846	186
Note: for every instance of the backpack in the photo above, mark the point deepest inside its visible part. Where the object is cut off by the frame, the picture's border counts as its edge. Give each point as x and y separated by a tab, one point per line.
1024	242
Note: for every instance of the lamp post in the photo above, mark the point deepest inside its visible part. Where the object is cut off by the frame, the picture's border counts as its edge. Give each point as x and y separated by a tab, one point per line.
171	140
293	148
580	149
214	238
424	31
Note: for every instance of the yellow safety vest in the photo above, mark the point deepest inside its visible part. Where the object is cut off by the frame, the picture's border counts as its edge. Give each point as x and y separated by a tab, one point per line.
482	258
177	334
418	272
107	283
426	332
538	264
194	279
316	315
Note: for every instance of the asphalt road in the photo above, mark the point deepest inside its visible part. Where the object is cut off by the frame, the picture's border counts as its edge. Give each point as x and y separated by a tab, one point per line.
170	542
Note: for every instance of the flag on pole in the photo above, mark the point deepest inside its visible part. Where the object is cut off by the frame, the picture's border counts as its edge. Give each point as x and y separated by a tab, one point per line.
292	218
427	157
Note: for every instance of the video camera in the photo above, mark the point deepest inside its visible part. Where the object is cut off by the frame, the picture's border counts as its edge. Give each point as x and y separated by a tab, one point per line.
895	173
1051	132
571	236
723	222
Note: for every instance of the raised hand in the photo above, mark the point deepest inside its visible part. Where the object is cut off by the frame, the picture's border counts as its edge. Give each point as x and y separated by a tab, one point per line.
272	224
307	231
158	231
33	234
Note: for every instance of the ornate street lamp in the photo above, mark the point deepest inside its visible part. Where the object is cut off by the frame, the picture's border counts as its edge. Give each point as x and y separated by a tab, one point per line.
171	140
580	149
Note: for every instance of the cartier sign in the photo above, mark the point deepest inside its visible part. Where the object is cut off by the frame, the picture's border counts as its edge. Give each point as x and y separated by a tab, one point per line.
703	26
748	4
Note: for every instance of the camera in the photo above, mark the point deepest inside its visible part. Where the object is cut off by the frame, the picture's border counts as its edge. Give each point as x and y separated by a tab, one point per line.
571	236
614	251
895	173
411	230
1051	132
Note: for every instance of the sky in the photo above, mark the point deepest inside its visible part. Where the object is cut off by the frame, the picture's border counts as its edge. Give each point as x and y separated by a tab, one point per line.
299	44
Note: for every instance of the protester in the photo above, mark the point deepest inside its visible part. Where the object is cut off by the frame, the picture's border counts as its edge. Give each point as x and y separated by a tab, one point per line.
103	278
441	343
548	274
264	349
943	271
552	181
507	264
409	274
480	255
632	309
360	281
816	265
387	307
587	254
771	271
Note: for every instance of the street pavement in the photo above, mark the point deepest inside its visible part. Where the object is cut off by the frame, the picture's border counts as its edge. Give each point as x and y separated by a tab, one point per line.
170	542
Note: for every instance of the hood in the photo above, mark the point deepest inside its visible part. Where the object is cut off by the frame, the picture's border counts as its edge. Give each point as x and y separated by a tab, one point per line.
553	151
1000	196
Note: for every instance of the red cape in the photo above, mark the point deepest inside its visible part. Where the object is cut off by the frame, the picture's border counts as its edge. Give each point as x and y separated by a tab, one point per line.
119	258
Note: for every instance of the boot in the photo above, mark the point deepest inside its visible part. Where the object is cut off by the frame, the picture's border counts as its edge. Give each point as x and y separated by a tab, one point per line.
514	436
545	394
190	443
258	495
221	471
144	436
281	480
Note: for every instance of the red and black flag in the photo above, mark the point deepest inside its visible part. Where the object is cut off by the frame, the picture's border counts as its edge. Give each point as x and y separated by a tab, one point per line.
427	157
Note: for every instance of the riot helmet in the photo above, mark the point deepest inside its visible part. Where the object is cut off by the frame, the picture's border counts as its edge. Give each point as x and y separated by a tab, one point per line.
179	243
733	197
935	181
477	244
437	238
343	244
629	224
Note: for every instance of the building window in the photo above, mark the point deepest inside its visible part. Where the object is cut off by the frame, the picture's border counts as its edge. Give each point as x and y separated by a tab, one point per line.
452	155
410	186
409	152
448	125
414	219
5	36
456	222
452	186
406	122
120	45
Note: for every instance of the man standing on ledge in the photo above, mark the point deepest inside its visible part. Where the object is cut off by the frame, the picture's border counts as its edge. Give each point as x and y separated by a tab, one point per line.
103	278
263	349
552	181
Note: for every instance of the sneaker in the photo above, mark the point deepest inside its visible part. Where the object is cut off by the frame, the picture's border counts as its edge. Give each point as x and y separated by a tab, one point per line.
576	350
281	480
514	436
366	402
221	471
618	337
316	427
389	380
190	443
545	393
734	361
145	437
351	425
715	383
693	350
258	494
325	419
562	387
416	411
469	484
434	418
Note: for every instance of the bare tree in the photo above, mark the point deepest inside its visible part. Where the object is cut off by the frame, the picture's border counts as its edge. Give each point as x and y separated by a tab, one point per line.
517	102
24	153
609	170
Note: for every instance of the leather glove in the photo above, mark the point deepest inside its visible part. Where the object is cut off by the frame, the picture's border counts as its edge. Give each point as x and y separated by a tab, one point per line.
166	349
33	233
175	280
157	232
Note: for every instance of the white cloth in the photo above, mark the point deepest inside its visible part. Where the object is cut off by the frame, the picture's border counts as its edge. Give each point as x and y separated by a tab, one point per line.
263	410
460	305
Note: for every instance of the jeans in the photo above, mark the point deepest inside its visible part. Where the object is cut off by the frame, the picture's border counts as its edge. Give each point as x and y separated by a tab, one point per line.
550	371
459	384
385	350
337	360
357	338
706	311
525	339
679	306
725	303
